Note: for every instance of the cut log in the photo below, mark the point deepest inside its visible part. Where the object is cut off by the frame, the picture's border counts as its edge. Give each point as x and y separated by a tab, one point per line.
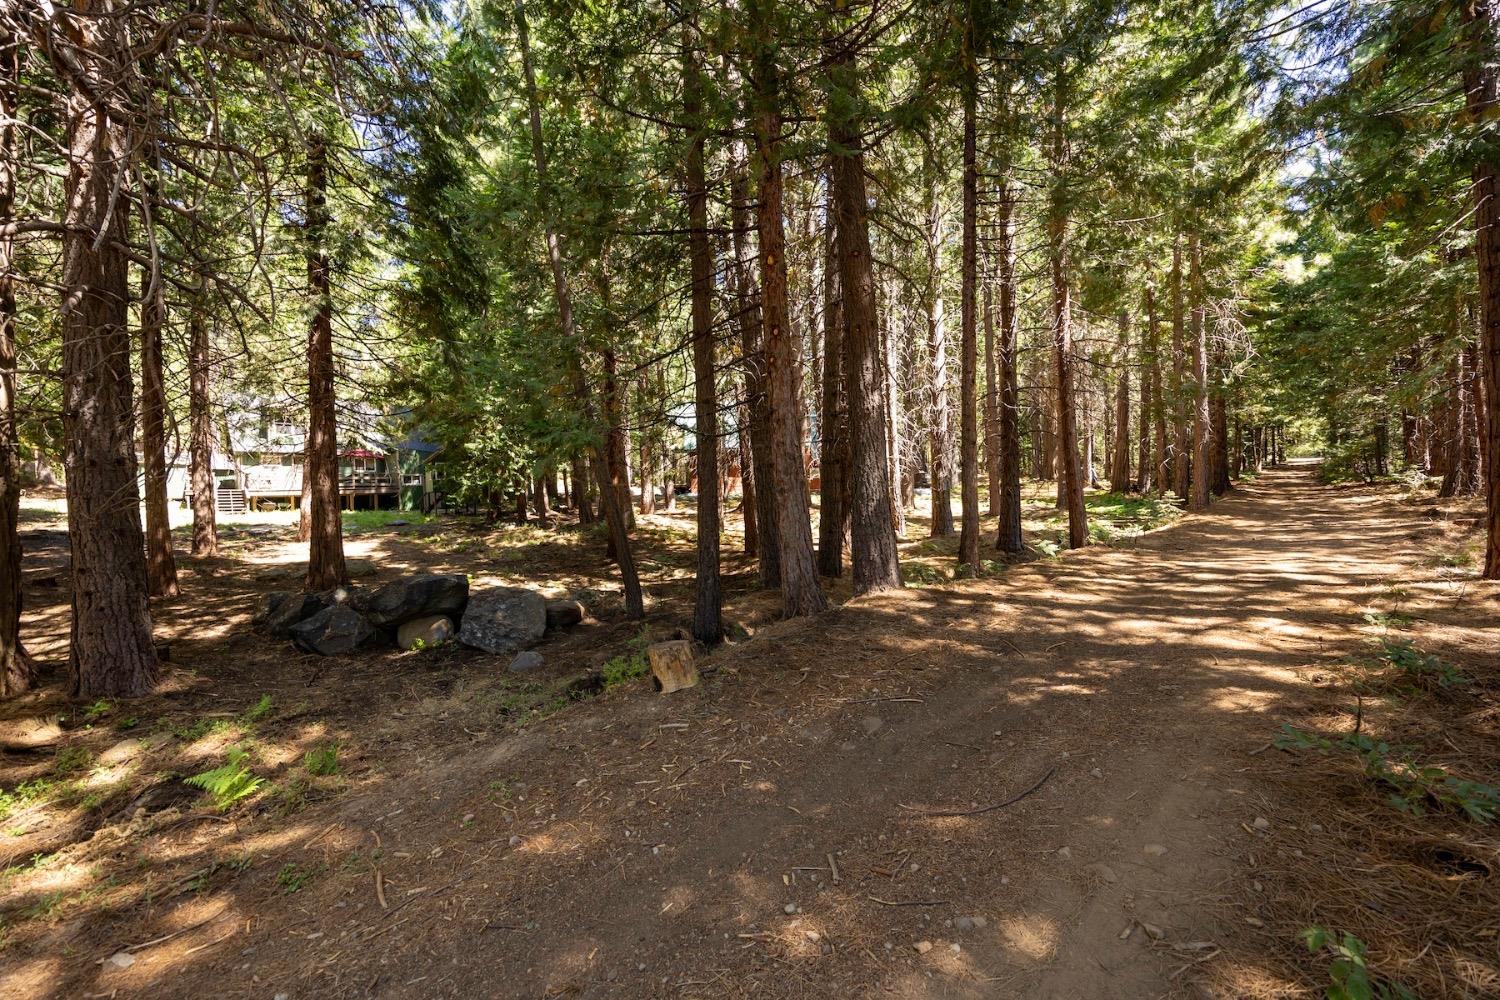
672	665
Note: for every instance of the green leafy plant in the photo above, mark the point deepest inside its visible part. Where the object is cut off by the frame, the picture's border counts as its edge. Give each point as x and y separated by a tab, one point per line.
625	667
97	710
72	760
1047	547
1349	973
322	761
198	730
258	711
1388	619
229	783
1423	669
1411	785
628	665
292	878
922	575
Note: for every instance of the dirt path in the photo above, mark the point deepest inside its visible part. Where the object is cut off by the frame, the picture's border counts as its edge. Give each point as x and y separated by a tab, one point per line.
679	847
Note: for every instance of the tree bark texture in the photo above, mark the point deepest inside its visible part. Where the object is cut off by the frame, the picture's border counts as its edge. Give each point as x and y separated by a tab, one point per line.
111	652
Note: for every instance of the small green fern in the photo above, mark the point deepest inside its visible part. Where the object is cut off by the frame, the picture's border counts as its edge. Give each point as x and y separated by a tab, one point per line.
230	783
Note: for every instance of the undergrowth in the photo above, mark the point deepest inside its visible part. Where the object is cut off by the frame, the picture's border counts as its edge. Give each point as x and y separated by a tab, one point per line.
1410	785
1349	974
231	782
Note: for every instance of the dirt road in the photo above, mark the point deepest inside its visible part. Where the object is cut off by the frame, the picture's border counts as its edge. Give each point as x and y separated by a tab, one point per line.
686	846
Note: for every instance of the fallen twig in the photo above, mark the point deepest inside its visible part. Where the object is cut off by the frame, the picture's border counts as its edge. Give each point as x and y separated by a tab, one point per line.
989	808
907	902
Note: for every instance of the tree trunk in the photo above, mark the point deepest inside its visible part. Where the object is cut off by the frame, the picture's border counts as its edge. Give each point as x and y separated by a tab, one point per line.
579	491
833	422
991	406
325	555
800	592
1145	472
616	436
747	475
17	670
1220	424
1159	406
875	563
1181	439
1202	472
968	538
614	511
897	486
1071	478
708	626
1482	89
940	443
111	653
763	474
647	451
161	567
1008	538
1119	473
201	437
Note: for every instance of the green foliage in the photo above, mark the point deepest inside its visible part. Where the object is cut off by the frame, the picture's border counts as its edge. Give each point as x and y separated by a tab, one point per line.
1349	973
1388	619
25	794
257	712
1423	669
322	761
293	878
358	522
231	782
72	760
630	665
916	574
197	730
1411	785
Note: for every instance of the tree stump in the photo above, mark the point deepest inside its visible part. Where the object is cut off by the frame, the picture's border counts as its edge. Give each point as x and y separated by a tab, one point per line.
672	665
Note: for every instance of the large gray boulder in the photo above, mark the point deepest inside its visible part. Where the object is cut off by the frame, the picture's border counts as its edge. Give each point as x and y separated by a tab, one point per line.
503	619
411	597
336	629
280	611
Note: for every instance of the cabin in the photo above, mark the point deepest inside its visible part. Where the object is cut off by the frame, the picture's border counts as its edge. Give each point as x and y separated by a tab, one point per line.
383	463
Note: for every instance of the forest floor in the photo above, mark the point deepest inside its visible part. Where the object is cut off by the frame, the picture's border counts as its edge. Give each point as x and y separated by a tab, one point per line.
1057	781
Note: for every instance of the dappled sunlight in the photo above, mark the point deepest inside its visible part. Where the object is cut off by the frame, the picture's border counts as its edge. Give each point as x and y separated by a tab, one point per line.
777	821
1034	938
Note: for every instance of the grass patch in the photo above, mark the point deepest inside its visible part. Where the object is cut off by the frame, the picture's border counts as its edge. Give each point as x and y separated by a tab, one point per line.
357	521
630	664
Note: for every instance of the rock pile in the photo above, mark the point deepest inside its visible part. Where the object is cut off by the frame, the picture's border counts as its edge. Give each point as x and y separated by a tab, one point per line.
414	612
